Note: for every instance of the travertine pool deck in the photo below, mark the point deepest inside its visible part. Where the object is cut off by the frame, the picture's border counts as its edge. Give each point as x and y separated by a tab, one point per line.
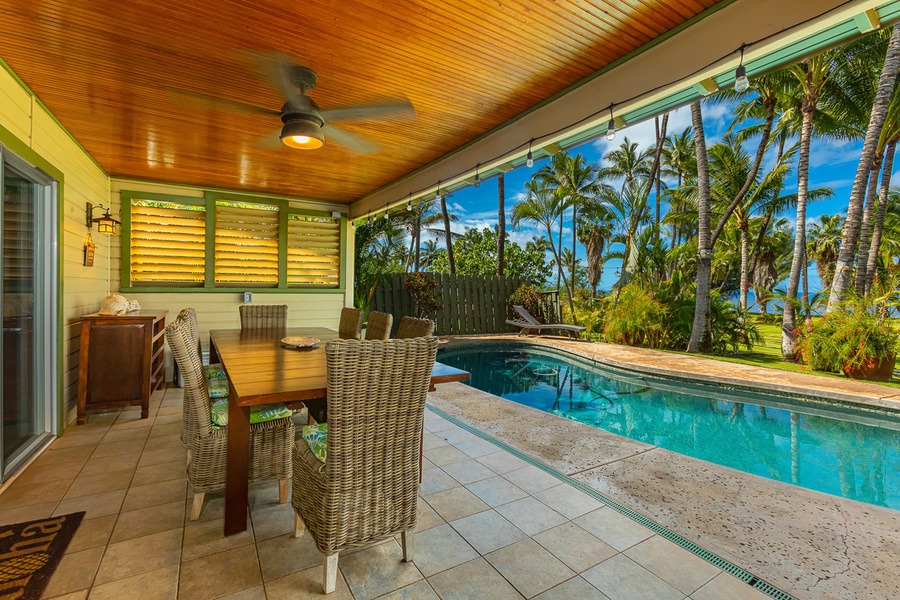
806	543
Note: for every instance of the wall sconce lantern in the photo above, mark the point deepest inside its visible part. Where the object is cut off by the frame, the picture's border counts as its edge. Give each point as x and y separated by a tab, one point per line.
105	222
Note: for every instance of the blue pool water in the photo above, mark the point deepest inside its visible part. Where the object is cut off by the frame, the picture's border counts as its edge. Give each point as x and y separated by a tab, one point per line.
849	453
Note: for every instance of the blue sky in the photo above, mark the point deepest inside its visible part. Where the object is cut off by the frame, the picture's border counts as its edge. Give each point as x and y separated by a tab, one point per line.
832	163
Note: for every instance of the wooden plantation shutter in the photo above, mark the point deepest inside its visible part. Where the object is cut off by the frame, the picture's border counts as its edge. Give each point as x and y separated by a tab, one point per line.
168	244
314	251
246	244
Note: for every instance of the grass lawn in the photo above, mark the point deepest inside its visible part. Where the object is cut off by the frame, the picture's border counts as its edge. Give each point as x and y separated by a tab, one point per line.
768	354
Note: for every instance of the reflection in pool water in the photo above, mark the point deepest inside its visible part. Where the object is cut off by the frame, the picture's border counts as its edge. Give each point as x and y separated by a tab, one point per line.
842	453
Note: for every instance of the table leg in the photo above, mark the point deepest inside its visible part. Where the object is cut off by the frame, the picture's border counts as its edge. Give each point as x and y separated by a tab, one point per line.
237	473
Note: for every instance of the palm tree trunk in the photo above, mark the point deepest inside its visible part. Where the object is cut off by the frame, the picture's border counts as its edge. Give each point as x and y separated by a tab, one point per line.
805	273
844	264
574	240
788	322
558	258
447	237
655	171
745	262
559	265
865	230
872	259
418	244
764	226
704	248
501	223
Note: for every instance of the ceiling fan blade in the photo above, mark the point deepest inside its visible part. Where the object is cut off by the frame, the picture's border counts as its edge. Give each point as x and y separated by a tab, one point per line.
270	141
275	67
398	107
203	101
351	141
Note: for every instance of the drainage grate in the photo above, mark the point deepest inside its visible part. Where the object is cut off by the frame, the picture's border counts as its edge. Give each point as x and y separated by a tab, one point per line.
726	565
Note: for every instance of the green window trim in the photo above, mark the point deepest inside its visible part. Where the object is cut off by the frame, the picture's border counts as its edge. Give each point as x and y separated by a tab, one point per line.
208	202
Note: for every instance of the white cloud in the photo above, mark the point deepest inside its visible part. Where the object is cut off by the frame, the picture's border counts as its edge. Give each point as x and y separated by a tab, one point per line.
825	152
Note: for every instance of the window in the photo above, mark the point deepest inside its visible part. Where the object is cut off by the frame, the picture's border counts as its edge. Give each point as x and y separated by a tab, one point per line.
227	242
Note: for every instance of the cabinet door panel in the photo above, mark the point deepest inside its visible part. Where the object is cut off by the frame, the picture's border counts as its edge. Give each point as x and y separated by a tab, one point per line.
116	370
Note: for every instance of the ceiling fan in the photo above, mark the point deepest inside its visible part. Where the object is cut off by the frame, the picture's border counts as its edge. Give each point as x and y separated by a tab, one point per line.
304	125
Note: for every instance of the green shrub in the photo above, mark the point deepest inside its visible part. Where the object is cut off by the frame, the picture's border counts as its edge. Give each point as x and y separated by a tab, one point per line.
847	338
529	297
424	293
635	319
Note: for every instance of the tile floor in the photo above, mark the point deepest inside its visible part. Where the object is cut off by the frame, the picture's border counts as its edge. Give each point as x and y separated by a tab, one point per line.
490	526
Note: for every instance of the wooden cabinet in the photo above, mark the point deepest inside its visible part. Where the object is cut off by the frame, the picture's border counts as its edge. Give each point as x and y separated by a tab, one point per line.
121	361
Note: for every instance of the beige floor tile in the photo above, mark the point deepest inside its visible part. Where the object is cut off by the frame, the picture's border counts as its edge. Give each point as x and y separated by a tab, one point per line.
440	424
42	473
174	409
427	517
95	505
306	585
88	485
140	555
430	440
502	462
475	580
162	492
161	584
272	522
125	435
257	592
213	507
439	549
420	590
378	570
164	441
496	491
202	538
219	574
163	472
574	546
455	503
575	588
77	457
23	494
79	595
166	429
92	533
568	501
444	455
263	494
726	586
530	515
105	449
477	448
73	440
529	567
615	529
147	521
620	578
531	479
457	435
468	471
75	572
156	456
171	417
683	570
286	554
29	512
120	462
436	480
131	420
487	531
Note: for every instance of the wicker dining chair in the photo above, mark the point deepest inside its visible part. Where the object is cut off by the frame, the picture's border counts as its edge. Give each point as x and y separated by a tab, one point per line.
189	317
379	326
351	323
411	327
270	441
263	316
367	488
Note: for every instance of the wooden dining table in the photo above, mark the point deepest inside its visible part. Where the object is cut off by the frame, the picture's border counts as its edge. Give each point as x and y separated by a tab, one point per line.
263	370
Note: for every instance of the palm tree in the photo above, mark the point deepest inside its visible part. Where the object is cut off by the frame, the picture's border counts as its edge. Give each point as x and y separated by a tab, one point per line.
704	247
448	235
847	252
631	210
595	226
626	162
678	161
501	223
543	206
823	245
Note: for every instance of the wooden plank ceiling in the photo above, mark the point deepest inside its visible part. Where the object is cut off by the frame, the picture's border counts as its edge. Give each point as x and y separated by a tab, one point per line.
106	69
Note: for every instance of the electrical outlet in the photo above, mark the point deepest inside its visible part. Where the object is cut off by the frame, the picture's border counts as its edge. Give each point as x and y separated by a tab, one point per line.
248	297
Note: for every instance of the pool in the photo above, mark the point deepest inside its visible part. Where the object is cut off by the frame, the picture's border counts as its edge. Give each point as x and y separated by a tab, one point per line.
848	452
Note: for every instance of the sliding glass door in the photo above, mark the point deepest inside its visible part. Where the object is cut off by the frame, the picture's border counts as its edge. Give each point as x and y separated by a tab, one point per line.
28	293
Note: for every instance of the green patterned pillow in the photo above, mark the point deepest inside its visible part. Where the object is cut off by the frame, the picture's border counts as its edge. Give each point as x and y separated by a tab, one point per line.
316	437
258	414
217	381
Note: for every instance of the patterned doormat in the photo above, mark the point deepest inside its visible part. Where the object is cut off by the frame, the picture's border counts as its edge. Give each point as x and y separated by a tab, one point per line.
30	552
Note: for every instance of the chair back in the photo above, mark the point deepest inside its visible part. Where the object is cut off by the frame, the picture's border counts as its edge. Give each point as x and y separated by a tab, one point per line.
189	316
526	315
377	386
196	394
351	323
379	326
410	327
263	316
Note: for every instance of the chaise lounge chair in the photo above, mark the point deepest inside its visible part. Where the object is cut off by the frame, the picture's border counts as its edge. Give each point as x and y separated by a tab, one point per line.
529	322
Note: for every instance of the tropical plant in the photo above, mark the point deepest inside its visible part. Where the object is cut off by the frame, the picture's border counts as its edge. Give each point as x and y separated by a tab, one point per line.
823	244
528	296
637	319
423	290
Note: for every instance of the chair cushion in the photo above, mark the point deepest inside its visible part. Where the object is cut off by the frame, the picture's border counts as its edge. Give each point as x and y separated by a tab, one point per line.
316	437
258	414
217	382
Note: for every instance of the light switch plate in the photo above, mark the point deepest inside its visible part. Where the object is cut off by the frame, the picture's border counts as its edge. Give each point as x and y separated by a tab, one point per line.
248	297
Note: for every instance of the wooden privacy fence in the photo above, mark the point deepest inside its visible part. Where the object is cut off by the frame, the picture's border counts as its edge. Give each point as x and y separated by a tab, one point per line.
471	303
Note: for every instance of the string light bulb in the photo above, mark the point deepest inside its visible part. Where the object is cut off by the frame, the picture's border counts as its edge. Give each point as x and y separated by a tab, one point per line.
477	178
529	160
437	194
409	203
611	127
385	214
741	83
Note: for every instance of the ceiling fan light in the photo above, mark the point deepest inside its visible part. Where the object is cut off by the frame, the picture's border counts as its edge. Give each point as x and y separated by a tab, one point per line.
302	134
